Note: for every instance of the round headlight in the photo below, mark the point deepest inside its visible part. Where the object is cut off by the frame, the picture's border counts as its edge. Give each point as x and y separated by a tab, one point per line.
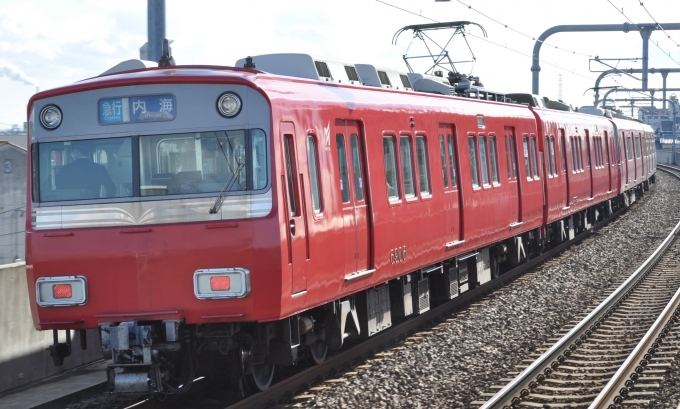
229	105
50	117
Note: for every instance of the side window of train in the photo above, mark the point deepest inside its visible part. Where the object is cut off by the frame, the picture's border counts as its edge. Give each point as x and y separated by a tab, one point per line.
472	150
527	165
482	159
390	168
638	149
452	160
580	154
442	150
513	156
553	158
507	156
313	173
356	168
534	157
288	148
563	148
493	155
629	148
407	166
423	168
342	167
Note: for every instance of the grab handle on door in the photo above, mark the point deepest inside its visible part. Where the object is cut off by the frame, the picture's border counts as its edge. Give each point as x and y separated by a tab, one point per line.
292	227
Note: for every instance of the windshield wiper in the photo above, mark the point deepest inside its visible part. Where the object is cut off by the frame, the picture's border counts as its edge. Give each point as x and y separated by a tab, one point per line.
220	199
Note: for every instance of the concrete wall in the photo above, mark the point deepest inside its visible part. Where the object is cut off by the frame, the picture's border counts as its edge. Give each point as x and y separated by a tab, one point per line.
12	202
23	358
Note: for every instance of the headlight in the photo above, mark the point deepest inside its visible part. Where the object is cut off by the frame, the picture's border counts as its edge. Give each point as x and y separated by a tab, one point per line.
229	105
221	283
50	117
61	291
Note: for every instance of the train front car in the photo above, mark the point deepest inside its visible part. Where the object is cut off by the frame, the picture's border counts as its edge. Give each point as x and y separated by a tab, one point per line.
153	220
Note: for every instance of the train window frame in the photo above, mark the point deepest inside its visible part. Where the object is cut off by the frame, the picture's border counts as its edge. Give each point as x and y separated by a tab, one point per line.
493	160
359	182
423	168
341	137
290	171
513	158
451	151
314	175
483	160
629	148
638	148
580	153
395	180
442	151
553	158
507	156
406	160
474	169
563	150
527	157
534	157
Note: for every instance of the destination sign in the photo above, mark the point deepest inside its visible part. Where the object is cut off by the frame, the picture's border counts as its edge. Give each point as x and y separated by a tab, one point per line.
142	108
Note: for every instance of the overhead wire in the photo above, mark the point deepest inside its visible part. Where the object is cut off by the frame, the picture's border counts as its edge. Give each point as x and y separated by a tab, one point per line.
488	41
667	54
521	33
657	23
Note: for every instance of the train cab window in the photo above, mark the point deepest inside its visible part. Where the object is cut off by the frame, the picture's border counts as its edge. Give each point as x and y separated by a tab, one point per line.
407	166
423	168
342	167
390	168
452	160
493	156
638	149
482	159
356	168
288	148
629	148
442	150
203	162
472	150
313	173
534	157
527	166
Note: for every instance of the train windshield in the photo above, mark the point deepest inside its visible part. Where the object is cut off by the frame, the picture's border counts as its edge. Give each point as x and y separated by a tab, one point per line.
169	164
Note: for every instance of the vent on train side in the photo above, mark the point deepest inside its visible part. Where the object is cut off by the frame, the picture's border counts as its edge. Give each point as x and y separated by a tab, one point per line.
351	73
404	81
384	79
322	69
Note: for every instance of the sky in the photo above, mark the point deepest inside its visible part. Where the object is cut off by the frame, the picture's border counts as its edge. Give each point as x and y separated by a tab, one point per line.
46	44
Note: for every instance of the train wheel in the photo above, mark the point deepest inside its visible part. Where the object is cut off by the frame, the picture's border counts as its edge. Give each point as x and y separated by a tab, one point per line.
260	377
318	351
495	266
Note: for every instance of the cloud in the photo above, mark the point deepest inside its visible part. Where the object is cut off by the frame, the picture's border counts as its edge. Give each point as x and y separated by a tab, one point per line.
14	73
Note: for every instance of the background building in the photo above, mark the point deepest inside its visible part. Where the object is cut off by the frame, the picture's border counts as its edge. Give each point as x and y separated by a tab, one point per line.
12	201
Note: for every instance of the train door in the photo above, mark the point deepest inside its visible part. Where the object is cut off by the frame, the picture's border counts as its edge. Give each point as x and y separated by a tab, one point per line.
355	203
448	148
589	164
514	202
565	171
296	226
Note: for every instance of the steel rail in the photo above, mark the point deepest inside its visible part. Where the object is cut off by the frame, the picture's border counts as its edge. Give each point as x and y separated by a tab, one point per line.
617	388
513	392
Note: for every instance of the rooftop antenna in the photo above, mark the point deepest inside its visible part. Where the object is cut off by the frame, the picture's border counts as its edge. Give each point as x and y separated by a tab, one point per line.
440	58
166	59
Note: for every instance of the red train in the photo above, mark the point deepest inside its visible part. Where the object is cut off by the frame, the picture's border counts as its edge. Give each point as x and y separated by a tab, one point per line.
199	211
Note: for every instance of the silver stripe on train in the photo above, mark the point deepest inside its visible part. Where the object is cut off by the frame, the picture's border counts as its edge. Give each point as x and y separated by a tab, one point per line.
150	212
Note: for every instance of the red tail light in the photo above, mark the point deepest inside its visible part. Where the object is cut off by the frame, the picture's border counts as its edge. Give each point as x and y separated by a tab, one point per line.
219	283
62	291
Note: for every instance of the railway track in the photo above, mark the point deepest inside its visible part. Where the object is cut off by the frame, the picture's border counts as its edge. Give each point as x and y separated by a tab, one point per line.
617	355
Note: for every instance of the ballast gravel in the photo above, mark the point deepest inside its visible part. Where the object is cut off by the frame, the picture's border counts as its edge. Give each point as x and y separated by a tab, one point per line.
454	363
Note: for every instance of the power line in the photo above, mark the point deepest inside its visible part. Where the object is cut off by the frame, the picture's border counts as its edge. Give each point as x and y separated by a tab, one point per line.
521	33
657	23
667	54
11	210
488	41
